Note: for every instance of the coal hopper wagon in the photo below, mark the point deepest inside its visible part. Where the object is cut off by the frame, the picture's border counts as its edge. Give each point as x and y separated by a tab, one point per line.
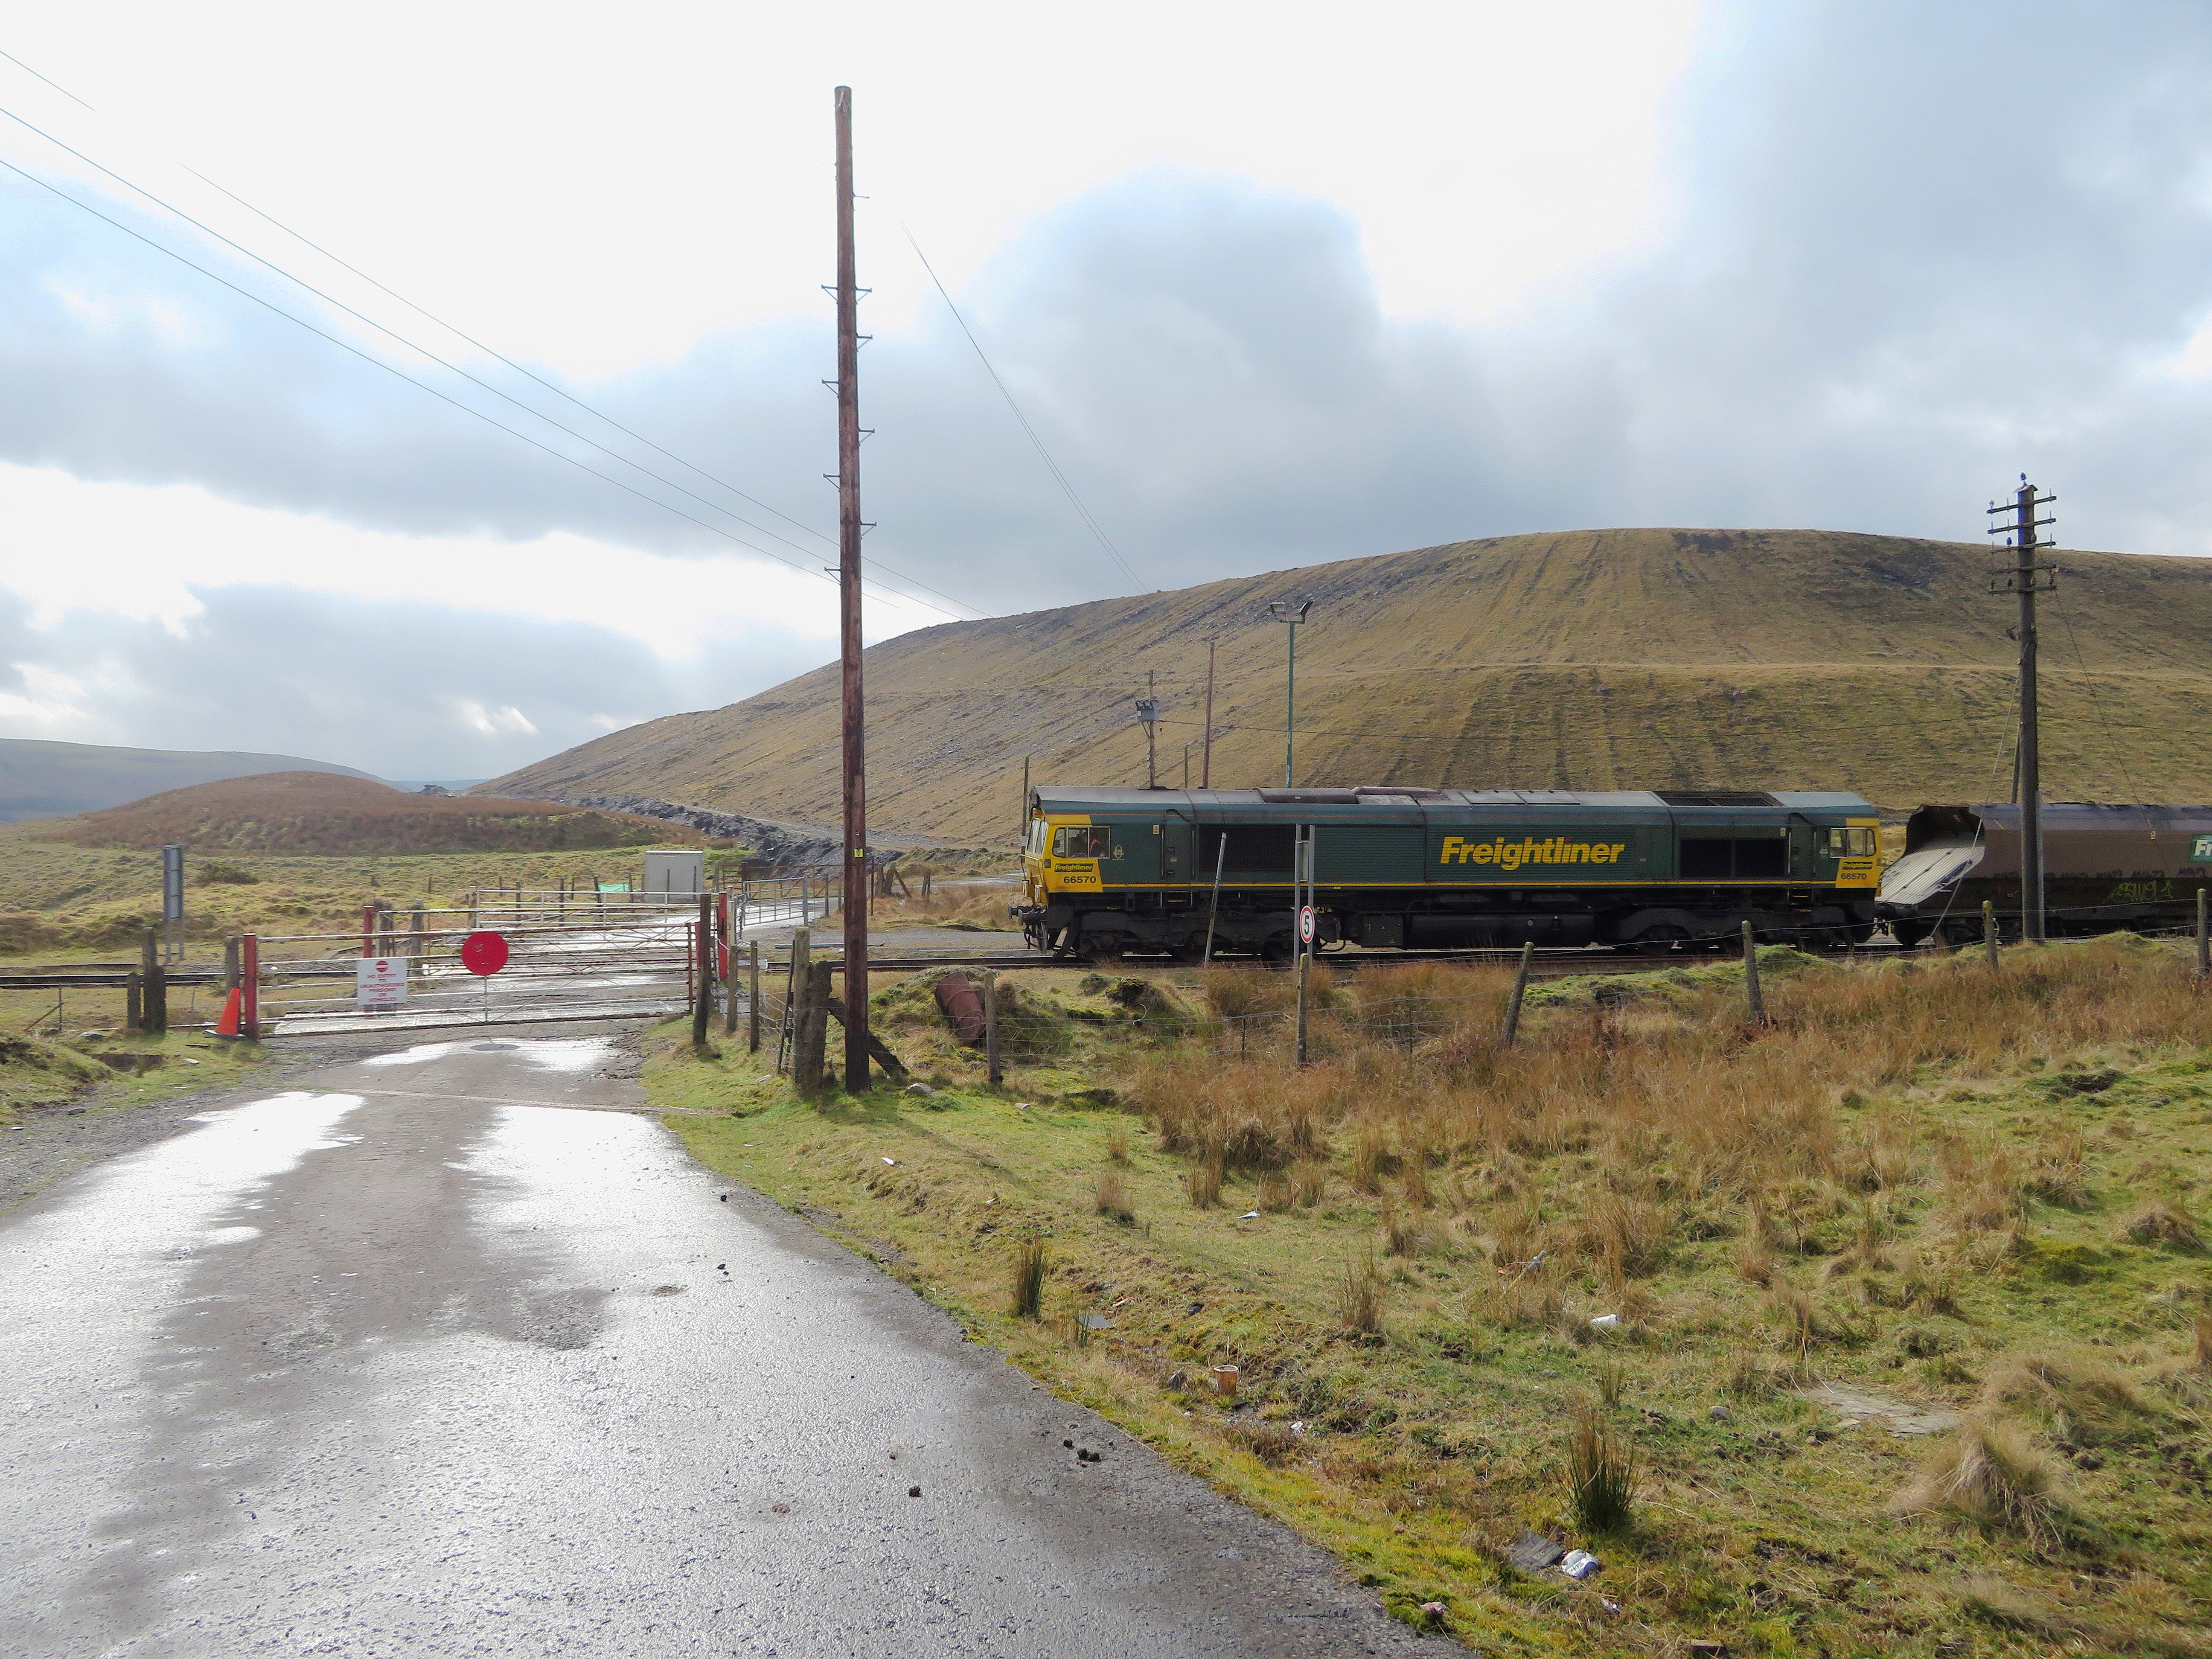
2105	868
1148	871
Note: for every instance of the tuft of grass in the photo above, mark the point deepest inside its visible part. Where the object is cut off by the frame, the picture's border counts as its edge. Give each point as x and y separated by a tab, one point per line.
1113	1200
1272	1443
1029	1279
1611	1381
2083	1399
2160	1223
1360	1298
1370	1155
1988	1473
1309	1183
1117	1147
1203	1183
1931	1286
1601	1474
1274	1193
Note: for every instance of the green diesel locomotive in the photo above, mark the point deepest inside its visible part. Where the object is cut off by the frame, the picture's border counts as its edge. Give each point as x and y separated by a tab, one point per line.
1122	870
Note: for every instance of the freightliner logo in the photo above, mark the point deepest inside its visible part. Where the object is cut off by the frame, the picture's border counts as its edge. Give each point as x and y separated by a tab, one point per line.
1513	854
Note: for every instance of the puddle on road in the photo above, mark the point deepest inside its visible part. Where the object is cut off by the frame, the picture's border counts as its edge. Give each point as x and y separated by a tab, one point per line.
546	1054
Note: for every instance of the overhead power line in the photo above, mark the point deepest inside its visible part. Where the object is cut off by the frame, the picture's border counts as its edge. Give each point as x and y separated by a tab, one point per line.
557	390
56	85
1051	465
797	524
348	346
476	380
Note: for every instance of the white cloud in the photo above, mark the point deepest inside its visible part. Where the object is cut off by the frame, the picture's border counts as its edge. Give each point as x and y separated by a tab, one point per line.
506	721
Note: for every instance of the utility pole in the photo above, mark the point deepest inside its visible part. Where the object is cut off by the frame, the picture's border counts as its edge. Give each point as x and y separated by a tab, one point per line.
848	609
1148	715
2027	579
1205	766
1284	612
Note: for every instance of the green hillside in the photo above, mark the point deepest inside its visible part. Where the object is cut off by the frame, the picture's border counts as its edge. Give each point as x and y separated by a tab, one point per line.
1593	659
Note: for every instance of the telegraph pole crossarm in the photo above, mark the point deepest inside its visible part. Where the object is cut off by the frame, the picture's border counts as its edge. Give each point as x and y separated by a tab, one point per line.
2025	580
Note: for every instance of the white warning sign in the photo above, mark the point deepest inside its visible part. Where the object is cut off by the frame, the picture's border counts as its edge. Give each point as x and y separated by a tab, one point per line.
380	981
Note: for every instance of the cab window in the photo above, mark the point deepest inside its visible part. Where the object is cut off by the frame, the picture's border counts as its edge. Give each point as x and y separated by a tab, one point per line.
1850	843
1083	841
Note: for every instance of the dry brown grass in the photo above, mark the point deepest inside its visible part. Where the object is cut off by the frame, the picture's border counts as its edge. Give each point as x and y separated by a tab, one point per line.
1113	1201
1989	1472
1203	1181
1681	1116
2161	1223
1360	1298
2083	1399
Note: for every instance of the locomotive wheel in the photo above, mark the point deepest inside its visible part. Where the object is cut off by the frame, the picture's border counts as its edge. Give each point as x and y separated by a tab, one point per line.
1910	934
1665	936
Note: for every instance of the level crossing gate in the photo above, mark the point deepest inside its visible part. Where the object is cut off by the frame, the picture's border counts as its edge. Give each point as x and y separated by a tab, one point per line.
573	955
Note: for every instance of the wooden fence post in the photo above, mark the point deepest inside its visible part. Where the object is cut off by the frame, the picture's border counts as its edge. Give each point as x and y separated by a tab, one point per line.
752	1004
1751	975
249	987
992	1070
134	1002
1989	931
154	1003
794	987
811	1039
2203	940
1519	989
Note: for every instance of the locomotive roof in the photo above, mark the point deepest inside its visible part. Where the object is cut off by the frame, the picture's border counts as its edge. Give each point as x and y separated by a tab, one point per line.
1089	797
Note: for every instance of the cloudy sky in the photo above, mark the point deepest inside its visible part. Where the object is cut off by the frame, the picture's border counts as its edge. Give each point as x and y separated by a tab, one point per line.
1275	285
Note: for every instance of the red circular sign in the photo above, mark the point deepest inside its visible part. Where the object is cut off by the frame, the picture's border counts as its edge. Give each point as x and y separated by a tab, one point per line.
483	953
1306	924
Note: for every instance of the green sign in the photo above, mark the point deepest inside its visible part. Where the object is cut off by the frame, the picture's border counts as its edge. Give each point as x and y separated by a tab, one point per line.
614	887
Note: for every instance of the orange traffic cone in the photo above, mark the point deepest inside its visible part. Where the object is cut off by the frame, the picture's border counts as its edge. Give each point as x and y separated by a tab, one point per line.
228	1025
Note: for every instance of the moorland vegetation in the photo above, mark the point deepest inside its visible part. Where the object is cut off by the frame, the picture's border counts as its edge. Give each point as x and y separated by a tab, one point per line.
1882	1325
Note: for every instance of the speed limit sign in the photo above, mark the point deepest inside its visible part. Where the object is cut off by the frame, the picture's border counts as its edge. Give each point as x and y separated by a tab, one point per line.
1305	924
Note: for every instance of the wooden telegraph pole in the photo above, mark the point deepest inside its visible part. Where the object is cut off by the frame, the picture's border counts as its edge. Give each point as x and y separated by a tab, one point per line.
1206	764
848	594
2026	578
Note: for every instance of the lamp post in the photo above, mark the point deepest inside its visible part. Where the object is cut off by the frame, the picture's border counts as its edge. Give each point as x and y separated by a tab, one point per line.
1284	611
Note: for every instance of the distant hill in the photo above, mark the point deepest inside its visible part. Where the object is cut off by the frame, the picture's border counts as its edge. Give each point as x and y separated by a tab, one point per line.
1607	659
42	780
328	813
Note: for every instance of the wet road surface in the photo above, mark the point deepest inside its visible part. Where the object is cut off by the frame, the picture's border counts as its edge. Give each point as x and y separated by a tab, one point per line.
425	1356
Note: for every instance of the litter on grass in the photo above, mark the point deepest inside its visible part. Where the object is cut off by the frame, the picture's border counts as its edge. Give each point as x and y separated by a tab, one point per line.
1533	1553
1580	1563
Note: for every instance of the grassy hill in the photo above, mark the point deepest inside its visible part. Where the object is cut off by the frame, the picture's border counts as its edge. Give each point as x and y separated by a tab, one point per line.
1593	659
41	780
318	812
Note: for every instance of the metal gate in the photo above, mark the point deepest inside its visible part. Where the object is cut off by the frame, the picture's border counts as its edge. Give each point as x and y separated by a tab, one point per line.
572	956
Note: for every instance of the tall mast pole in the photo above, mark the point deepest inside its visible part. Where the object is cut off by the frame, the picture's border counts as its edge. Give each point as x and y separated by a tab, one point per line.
2025	579
855	767
1206	764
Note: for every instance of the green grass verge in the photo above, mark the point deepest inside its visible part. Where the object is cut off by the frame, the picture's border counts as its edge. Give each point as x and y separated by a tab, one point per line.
1417	1452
